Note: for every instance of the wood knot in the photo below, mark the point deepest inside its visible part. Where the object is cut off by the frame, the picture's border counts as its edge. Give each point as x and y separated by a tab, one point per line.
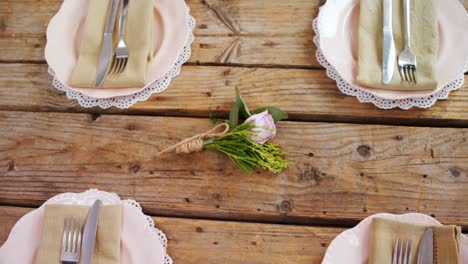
94	117
364	150
135	168
399	137
455	172
199	229
11	166
285	207
218	197
131	127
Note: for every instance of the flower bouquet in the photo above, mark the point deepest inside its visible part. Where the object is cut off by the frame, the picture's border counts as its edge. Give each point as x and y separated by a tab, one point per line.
246	143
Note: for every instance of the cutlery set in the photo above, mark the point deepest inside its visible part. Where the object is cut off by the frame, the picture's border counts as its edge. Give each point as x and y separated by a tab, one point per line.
77	243
110	62
403	250
406	59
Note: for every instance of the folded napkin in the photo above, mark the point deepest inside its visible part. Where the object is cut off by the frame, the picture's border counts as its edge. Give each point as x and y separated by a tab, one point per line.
424	43
107	247
385	232
138	37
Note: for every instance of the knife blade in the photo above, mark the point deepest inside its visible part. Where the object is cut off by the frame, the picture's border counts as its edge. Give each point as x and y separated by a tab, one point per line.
106	50
388	51
89	234
426	248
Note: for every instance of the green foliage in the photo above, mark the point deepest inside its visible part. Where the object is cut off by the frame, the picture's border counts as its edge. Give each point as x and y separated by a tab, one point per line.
248	154
275	112
239	107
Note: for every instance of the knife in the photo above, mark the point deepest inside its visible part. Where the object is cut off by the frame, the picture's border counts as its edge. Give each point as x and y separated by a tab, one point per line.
426	248
106	50
89	234
389	53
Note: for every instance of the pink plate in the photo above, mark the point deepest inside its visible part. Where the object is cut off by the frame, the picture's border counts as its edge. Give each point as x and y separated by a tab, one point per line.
338	29
353	245
140	243
65	31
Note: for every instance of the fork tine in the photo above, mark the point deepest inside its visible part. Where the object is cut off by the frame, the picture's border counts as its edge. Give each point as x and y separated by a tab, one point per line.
119	68
75	236
80	230
64	238
406	252
400	257
410	73
411	252
70	235
413	71
395	252
124	65
400	70
112	66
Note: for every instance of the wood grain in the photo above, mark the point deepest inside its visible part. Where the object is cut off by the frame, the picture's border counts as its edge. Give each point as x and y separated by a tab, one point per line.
227	32
201	241
307	95
241	32
341	173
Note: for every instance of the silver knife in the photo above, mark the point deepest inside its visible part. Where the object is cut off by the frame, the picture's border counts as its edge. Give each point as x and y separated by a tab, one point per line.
89	234
426	248
389	53
106	50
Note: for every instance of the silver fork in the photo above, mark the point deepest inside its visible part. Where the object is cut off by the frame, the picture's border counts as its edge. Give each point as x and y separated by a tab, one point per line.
121	52
407	59
403	251
71	241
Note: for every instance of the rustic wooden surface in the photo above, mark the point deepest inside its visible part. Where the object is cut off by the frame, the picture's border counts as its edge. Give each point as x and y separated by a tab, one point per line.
351	160
205	241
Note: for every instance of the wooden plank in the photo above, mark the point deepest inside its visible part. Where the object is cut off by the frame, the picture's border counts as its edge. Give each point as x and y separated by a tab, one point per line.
234	31
304	94
242	32
341	173
202	241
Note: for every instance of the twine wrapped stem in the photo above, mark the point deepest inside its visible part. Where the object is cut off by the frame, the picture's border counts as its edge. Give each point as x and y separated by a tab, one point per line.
195	143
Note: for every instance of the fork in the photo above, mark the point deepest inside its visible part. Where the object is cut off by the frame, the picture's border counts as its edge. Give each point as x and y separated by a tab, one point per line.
407	59
71	241
121	52
403	251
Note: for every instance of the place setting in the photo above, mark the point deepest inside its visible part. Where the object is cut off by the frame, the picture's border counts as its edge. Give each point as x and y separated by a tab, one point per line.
393	54
411	238
115	53
89	227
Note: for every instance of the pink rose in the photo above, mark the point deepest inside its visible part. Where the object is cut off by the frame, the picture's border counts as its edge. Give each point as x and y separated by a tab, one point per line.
264	127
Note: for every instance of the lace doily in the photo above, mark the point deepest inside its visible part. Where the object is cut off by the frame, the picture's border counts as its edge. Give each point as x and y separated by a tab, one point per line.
124	102
367	97
89	196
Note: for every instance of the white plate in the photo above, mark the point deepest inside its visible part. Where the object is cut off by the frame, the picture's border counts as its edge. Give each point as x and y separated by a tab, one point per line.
140	241
353	245
338	22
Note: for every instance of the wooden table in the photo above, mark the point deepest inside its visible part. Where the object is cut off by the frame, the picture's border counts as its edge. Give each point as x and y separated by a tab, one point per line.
351	160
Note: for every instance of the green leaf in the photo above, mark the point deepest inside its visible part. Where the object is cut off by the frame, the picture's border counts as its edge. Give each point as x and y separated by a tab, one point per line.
243	109
275	112
234	115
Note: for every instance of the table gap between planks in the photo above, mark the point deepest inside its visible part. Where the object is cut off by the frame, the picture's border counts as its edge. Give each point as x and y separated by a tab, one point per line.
351	160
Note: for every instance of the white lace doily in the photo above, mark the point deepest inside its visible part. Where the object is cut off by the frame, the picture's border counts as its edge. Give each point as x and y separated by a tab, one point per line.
366	97
124	102
88	197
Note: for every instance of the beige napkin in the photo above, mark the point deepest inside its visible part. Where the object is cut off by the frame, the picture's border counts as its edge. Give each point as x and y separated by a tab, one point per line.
424	43
385	232
107	248
138	37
